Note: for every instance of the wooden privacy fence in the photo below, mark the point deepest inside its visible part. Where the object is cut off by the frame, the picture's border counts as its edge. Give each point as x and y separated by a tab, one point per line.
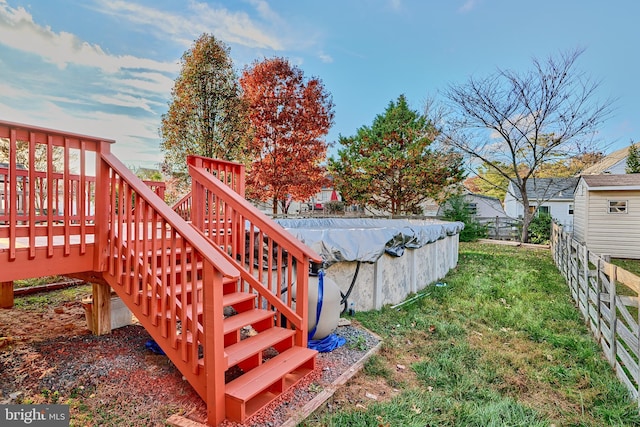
607	296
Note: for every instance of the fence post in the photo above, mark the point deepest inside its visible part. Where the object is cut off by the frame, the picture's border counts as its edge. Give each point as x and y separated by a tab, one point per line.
585	277
599	298
614	315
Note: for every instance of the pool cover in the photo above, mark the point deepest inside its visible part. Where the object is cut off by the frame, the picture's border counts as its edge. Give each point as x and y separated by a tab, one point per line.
364	239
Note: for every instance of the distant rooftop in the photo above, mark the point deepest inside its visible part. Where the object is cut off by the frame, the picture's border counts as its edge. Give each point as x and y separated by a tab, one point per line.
549	188
608	161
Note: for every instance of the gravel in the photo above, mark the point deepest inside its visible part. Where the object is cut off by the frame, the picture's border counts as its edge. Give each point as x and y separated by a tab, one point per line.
115	380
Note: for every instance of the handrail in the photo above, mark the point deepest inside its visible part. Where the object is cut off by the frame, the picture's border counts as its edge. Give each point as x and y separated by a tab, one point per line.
47	192
253	214
190	235
181	309
230	173
271	260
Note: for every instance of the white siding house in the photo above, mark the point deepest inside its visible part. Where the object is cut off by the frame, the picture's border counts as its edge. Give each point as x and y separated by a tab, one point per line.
480	205
553	195
607	216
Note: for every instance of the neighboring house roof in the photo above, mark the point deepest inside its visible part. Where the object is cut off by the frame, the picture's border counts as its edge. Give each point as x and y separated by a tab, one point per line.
612	182
548	189
482	196
608	162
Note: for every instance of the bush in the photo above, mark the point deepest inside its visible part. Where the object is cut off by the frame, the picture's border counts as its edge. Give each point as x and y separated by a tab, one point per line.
540	229
334	206
457	210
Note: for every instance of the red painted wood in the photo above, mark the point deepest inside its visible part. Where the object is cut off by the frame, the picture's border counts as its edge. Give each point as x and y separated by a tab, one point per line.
69	206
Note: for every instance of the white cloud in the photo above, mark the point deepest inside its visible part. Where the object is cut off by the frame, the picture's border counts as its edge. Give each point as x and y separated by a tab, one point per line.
468	6
325	57
124	100
199	17
20	32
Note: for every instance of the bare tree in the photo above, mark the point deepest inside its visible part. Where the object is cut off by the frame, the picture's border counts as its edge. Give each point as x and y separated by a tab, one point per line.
515	123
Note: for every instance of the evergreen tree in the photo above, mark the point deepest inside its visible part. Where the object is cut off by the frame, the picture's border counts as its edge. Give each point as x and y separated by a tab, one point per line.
391	165
633	159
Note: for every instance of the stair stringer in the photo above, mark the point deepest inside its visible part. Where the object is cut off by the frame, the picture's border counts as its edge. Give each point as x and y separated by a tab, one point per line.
172	347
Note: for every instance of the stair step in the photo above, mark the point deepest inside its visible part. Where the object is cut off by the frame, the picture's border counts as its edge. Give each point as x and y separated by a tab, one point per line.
256	344
240	320
179	267
237	298
247	394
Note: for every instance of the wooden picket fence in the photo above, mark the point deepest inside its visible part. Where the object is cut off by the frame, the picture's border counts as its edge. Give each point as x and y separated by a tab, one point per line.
608	297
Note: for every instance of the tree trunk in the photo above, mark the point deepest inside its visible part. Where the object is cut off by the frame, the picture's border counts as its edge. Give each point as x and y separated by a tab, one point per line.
527	216
274	202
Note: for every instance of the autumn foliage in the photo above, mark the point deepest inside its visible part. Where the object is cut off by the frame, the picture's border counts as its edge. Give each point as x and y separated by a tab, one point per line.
290	116
206	116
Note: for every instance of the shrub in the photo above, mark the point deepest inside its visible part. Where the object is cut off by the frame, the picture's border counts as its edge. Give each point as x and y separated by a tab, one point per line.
334	206
456	209
540	228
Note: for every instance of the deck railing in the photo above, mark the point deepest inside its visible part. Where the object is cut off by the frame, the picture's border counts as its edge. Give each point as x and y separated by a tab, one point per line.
48	198
273	263
47	194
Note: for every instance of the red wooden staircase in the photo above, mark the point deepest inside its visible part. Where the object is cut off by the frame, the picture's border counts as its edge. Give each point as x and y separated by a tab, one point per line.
205	278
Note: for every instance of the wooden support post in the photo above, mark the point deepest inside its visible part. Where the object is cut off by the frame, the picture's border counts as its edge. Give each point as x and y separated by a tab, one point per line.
214	358
6	294
101	308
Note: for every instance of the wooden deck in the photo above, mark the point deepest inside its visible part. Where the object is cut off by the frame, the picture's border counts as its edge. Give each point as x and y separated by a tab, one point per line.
68	206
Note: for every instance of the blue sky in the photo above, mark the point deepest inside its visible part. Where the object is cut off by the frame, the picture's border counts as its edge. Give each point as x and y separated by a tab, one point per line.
106	67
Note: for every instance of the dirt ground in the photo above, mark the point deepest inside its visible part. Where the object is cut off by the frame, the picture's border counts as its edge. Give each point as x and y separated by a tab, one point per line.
48	355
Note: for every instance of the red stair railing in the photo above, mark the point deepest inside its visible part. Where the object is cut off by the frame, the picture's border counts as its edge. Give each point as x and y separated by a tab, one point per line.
271	261
141	223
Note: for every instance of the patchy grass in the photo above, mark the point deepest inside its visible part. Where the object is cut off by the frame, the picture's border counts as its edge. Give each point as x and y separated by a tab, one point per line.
500	345
41	301
38	281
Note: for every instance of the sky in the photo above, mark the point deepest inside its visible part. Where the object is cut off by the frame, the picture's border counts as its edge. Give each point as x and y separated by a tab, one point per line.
106	68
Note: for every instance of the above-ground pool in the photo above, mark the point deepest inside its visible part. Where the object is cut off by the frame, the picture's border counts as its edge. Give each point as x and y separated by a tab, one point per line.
392	258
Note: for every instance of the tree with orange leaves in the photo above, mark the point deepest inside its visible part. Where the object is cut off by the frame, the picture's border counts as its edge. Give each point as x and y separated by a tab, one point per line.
290	117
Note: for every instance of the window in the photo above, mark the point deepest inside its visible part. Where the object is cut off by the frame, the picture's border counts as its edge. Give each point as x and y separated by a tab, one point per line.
541	209
570	208
617	206
473	208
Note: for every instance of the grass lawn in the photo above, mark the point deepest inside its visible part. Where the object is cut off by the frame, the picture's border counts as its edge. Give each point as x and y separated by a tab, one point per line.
500	345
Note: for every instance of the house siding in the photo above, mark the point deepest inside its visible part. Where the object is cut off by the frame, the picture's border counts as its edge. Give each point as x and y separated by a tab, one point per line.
581	200
617	235
485	207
